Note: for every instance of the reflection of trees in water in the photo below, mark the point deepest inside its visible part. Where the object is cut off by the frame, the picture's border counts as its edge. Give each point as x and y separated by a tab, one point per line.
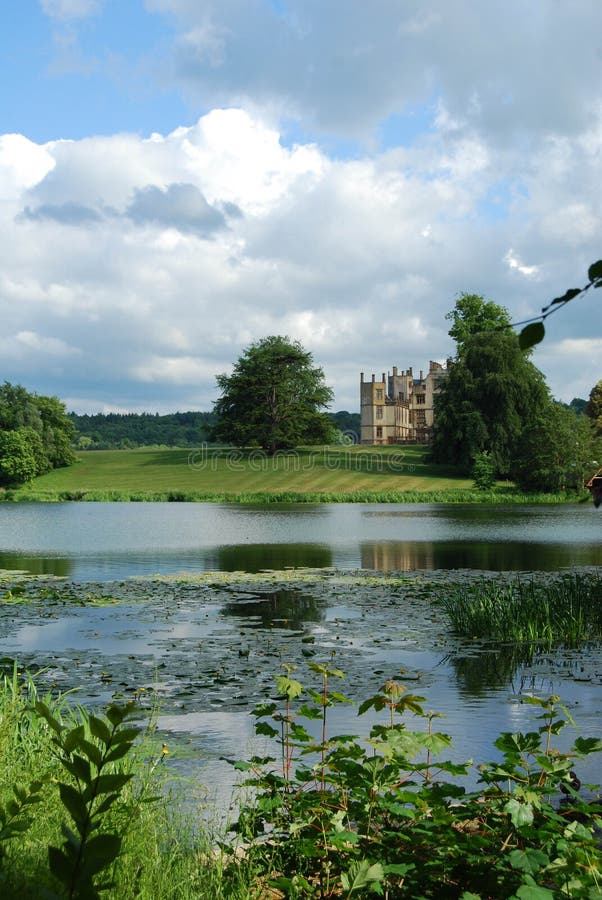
500	665
37	565
495	556
490	667
255	557
288	609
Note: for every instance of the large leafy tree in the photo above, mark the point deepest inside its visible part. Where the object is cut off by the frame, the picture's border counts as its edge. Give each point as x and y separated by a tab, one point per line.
273	398
35	434
472	315
555	452
594	408
492	390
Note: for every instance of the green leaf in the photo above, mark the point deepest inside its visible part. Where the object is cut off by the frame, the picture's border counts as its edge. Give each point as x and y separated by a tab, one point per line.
125	734
595	271
288	687
520	813
534	892
91	751
529	860
100	730
60	866
79	768
362	874
100	851
266	729
72	739
588	745
106	784
531	335
73	803
116	714
568	295
117	752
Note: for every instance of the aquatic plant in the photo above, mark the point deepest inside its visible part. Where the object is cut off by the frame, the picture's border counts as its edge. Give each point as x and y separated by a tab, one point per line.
566	609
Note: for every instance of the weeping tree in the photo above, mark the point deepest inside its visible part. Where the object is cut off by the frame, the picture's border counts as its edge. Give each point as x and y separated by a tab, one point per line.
492	390
273	399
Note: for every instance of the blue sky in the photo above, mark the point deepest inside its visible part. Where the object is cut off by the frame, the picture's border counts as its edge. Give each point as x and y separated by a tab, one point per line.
181	177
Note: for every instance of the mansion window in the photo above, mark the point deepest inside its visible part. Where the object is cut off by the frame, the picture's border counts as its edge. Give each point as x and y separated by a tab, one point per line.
420	398
379	412
379	394
379	431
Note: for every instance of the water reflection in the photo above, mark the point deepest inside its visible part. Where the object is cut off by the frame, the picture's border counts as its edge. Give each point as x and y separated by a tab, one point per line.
494	556
36	565
288	609
256	557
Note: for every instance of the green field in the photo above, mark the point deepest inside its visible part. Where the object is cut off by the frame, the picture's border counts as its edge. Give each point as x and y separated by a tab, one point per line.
310	474
205	472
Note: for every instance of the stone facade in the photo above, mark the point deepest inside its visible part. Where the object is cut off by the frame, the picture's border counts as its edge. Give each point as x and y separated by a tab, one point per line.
400	408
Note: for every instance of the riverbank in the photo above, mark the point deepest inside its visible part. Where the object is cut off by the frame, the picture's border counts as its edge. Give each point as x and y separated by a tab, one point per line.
311	475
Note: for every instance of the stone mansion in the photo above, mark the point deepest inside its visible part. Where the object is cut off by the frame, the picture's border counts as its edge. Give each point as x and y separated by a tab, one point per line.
400	408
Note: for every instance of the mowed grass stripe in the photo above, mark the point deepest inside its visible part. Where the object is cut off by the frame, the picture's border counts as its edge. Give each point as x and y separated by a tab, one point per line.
312	470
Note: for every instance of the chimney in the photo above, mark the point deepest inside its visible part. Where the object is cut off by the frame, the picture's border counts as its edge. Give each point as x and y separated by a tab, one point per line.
384	377
373	378
394	371
362	377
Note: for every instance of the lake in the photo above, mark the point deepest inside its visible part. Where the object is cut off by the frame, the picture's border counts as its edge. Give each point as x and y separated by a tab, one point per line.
106	541
209	648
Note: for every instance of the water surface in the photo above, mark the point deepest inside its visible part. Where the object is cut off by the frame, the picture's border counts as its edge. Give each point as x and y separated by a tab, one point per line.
92	541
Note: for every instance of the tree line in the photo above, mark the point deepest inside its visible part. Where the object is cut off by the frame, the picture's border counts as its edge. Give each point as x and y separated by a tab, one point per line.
36	435
494	414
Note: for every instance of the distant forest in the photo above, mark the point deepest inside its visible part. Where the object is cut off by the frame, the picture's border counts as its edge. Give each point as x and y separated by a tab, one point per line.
105	431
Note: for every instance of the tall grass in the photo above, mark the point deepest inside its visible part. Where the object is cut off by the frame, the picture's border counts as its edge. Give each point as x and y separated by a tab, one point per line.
563	610
450	495
164	854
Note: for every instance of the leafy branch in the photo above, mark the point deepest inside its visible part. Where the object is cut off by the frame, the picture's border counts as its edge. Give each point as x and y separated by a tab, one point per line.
534	329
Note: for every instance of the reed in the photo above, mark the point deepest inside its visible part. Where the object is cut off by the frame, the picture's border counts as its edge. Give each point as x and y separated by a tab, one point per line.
563	610
448	496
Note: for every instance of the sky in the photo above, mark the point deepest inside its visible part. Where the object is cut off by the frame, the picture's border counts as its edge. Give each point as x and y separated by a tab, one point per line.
180	178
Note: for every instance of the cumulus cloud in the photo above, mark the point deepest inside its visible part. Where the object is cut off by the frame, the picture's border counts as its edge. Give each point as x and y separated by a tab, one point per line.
103	245
507	68
63	213
179	206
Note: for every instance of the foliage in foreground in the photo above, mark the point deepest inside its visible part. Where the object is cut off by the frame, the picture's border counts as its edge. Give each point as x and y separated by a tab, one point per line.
339	816
83	814
566	609
84	811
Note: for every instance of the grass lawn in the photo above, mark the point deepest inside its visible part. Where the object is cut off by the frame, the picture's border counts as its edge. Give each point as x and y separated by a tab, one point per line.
207	473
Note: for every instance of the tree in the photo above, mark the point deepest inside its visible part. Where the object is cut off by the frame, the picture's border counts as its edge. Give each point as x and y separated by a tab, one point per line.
491	392
35	433
473	314
17	458
555	452
594	408
273	398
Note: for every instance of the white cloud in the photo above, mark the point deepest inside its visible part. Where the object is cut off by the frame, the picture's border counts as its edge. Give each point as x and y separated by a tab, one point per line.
70	9
513	262
104	248
505	67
